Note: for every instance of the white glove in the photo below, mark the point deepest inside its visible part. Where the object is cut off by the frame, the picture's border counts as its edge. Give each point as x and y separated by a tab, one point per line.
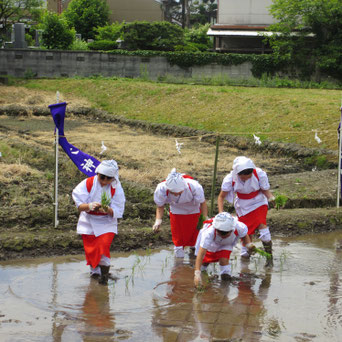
94	206
197	278
272	198
156	225
251	248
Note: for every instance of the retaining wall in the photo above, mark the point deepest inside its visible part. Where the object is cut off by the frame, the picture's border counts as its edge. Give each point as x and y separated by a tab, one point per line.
51	63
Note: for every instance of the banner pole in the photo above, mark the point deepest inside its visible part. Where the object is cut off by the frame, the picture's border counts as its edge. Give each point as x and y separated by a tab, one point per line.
56	174
214	177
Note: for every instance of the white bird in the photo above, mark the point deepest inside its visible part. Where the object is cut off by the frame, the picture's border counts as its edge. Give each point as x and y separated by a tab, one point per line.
317	138
103	148
179	146
257	140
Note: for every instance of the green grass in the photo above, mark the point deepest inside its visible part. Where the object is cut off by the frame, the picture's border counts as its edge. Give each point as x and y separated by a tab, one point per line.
277	114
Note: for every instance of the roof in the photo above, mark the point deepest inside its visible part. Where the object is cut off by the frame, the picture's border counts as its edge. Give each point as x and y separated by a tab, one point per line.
243	33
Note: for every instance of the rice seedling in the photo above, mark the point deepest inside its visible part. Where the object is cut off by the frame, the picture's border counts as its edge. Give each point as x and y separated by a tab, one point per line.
138	266
263	253
105	201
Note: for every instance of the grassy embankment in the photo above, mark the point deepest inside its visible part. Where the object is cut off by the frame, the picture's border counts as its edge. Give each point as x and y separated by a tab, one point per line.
277	114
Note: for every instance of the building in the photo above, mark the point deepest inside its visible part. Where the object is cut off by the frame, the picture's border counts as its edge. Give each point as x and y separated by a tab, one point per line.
121	10
240	24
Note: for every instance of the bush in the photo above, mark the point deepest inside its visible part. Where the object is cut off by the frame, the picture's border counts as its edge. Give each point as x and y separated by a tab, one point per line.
56	33
143	35
191	47
104	45
79	45
109	32
199	35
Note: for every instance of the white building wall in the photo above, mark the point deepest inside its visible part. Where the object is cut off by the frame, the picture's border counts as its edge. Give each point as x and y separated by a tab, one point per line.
244	12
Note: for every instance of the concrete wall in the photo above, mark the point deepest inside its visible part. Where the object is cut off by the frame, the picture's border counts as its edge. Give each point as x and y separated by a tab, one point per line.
244	12
47	63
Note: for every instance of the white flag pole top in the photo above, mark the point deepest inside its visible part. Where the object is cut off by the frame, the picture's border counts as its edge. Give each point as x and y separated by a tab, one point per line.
339	162
56	171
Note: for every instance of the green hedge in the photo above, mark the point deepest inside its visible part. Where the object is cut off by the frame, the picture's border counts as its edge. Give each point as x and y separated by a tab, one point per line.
103	45
261	64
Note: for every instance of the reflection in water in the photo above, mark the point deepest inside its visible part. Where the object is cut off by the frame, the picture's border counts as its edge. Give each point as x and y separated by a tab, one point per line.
96	315
298	300
334	307
186	314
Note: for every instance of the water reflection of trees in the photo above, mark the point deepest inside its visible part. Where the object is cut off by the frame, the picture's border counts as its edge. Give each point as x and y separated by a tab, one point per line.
186	314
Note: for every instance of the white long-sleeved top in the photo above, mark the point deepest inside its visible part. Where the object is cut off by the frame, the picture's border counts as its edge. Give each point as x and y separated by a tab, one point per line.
187	203
213	242
245	206
94	224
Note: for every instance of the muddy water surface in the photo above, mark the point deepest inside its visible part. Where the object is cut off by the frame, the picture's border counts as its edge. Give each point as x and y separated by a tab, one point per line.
153	298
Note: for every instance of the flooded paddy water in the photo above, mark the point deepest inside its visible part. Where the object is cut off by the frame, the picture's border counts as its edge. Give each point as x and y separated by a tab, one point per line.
153	297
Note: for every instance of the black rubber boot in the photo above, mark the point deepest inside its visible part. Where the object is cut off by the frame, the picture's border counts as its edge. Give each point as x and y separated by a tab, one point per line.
104	275
268	248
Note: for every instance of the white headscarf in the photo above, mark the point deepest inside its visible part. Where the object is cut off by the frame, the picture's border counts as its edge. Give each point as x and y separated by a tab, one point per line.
242	163
175	182
108	168
224	221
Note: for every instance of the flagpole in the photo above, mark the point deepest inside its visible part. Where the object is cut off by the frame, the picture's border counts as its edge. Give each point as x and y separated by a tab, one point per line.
56	174
339	162
211	212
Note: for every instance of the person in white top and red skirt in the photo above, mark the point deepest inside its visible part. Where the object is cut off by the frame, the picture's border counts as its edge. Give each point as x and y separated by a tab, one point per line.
215	243
97	224
185	196
251	189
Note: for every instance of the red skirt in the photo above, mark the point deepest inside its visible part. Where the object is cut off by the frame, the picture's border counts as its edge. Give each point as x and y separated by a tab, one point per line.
184	229
255	218
216	256
94	247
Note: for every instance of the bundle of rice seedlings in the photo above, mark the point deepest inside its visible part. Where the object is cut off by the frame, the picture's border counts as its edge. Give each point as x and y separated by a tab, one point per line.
105	201
263	253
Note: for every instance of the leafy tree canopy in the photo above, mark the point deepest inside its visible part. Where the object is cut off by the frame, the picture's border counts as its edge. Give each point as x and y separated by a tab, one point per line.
13	11
86	15
56	33
311	34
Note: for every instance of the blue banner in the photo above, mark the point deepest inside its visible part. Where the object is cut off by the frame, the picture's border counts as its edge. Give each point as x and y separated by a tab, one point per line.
84	162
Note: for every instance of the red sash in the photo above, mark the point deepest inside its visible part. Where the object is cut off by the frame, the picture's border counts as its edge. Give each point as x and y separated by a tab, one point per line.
89	184
251	194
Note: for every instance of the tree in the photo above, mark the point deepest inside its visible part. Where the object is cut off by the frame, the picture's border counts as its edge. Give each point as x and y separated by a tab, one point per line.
309	35
13	11
56	33
189	12
159	35
86	15
203	12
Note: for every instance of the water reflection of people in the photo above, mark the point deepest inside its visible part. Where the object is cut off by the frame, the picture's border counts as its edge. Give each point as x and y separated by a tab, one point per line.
96	314
223	311
215	243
